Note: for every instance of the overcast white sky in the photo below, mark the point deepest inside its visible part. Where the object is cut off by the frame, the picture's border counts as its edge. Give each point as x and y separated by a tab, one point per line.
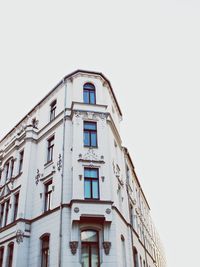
150	51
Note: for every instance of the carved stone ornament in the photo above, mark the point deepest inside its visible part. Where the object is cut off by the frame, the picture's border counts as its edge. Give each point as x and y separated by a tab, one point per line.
108	211
59	163
73	246
76	210
19	236
106	246
37	177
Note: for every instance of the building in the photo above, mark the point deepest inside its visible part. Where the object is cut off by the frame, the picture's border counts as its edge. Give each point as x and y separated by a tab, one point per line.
69	195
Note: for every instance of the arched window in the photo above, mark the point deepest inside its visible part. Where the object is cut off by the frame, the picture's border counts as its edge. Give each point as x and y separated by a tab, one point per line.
90	248
45	250
135	257
1	256
89	96
10	254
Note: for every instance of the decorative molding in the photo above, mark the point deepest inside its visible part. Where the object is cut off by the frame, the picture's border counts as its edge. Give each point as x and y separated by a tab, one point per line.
19	236
76	209
91	156
73	246
106	246
37	177
59	163
108	211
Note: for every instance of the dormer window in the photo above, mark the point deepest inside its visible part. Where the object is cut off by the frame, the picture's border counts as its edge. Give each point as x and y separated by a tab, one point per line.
89	96
53	110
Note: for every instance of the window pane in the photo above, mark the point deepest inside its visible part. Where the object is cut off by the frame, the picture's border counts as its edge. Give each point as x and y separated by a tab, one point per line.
93	139
89	236
86	96
85	256
90	173
86	139
87	189
89	86
94	256
90	125
92	97
95	189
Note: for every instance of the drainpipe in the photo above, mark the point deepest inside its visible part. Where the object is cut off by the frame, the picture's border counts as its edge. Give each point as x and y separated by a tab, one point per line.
62	176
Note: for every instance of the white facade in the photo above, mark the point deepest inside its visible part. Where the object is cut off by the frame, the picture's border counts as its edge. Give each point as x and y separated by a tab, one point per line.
65	175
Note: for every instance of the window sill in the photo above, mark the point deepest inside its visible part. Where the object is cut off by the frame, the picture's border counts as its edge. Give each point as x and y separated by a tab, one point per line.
91	147
48	163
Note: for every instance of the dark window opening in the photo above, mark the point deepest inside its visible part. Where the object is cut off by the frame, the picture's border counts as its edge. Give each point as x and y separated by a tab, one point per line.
10	255
21	158
53	110
89	96
90	134
48	196
50	149
91	183
45	251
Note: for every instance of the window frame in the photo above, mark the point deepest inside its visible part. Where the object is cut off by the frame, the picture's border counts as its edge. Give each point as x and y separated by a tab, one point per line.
89	244
21	160
89	91
50	148
48	196
91	180
44	249
2	249
10	254
90	132
6	210
16	206
53	107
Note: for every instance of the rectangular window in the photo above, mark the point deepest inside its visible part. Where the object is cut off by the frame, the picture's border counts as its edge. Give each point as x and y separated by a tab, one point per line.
7	169
16	203
1	256
53	110
45	251
50	149
12	168
48	196
6	211
10	255
91	183
21	158
90	134
2	213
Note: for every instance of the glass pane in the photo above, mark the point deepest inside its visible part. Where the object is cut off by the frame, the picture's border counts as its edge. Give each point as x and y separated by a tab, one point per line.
87	189
95	189
89	125
90	173
94	256
89	236
86	96
89	86
92	97
86	139
93	139
85	256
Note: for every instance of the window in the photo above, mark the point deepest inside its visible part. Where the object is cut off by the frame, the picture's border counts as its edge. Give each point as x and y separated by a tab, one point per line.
45	251
140	261
90	134
90	248
48	196
135	257
16	206
12	168
6	211
2	213
89	96
144	263
53	110
123	251
1	256
127	175
91	183
10	255
50	149
7	169
21	158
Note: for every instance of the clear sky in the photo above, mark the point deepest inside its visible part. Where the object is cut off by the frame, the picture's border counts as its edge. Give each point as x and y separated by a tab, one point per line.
150	51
